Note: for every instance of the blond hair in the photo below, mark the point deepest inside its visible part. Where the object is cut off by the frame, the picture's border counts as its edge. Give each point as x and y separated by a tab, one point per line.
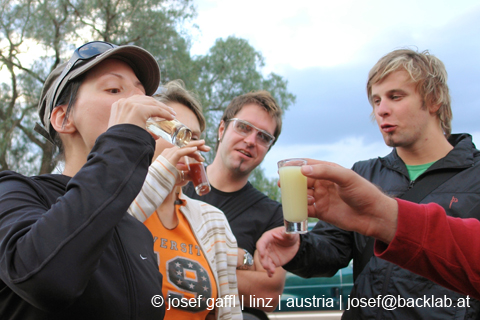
429	74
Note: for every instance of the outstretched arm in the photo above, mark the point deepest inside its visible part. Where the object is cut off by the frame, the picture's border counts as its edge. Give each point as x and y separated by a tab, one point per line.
340	197
343	198
441	248
417	237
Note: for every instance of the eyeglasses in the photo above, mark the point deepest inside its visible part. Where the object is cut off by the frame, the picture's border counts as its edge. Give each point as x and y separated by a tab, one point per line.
245	128
84	52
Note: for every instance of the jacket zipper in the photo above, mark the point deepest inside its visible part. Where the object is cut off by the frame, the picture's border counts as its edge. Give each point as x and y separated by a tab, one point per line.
411	184
131	296
388	274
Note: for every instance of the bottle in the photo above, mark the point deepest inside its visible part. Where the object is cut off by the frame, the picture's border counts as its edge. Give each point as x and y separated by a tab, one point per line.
173	131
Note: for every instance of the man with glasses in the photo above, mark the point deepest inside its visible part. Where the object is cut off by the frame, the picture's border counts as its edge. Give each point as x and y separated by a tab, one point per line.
249	127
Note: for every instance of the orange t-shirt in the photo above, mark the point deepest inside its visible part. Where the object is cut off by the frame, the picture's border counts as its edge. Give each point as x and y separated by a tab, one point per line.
189	285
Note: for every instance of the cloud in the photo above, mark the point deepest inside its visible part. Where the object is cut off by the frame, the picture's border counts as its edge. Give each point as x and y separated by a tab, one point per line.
325	50
345	152
332	103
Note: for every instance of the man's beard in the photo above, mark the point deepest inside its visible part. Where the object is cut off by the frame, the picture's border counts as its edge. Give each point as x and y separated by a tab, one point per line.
241	173
389	141
402	141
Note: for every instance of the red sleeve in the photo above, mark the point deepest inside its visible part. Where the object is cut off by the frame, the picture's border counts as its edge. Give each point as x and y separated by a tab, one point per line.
441	248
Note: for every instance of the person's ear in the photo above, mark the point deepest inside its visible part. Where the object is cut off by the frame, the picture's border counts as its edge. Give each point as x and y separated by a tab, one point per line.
58	122
221	130
433	108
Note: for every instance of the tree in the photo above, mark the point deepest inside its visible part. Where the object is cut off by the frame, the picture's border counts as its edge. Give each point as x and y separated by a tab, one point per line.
52	29
49	30
266	185
232	67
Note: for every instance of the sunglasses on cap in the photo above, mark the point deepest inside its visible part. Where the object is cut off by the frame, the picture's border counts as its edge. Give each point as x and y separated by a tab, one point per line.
245	128
87	51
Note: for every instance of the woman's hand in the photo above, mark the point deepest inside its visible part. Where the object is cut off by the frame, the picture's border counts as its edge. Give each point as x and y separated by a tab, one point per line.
137	109
174	155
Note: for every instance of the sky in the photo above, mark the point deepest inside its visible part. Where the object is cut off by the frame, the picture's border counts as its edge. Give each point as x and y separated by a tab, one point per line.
325	49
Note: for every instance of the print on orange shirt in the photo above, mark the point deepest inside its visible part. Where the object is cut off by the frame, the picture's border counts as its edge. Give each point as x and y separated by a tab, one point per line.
186	272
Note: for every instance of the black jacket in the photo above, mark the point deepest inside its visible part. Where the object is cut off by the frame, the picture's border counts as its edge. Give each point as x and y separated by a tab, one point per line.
327	248
68	248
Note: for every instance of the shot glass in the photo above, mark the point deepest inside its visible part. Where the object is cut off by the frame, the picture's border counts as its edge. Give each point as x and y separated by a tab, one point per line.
294	195
173	131
198	175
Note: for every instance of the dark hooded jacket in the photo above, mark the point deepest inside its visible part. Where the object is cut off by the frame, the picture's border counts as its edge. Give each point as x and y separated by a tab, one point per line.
327	248
69	250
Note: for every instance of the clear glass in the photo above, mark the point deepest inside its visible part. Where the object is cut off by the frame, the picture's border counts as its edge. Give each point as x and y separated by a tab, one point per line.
294	195
173	131
198	175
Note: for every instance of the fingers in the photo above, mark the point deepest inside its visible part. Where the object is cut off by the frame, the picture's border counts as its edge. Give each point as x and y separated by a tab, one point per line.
201	147
327	171
276	248
137	109
263	248
152	107
269	266
174	154
179	157
192	149
311	205
314	162
182	175
267	263
162	110
204	147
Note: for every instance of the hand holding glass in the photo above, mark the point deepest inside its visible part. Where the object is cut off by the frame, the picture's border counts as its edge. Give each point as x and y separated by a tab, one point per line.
294	195
196	171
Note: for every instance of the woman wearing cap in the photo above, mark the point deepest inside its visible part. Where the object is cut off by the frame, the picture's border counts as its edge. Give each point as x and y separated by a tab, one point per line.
197	250
68	248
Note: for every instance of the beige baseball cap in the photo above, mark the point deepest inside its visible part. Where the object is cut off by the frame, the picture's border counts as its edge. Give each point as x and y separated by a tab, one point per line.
85	58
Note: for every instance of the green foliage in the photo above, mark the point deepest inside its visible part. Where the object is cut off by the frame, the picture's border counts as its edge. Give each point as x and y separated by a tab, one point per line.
232	67
268	186
49	30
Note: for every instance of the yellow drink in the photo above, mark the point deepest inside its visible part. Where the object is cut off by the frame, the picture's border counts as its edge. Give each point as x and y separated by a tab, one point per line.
294	193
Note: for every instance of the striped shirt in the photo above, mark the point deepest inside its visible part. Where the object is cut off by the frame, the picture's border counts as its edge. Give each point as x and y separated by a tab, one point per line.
209	225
